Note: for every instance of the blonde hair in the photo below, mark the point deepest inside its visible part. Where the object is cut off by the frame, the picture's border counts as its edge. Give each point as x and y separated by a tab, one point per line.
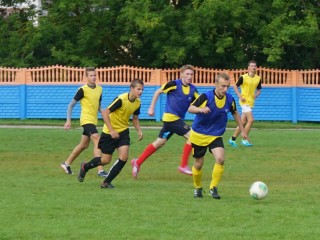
223	76
186	67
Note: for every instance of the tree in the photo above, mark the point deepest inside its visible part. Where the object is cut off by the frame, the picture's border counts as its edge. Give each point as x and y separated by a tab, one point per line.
16	36
291	39
162	33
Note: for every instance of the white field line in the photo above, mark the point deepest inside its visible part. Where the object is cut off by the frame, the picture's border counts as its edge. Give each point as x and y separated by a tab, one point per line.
145	127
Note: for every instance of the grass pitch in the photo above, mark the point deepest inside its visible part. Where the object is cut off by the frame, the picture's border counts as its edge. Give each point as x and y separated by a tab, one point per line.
39	201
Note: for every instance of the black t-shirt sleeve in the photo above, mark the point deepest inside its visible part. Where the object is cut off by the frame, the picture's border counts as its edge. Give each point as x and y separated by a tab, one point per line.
259	85
137	112
117	103
240	81
79	95
169	85
200	100
233	107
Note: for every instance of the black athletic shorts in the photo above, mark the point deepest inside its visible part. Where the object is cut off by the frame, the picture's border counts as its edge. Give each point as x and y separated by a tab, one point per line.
107	144
169	128
89	129
200	151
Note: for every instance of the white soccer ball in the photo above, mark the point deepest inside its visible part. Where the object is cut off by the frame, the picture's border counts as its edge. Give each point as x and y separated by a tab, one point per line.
258	190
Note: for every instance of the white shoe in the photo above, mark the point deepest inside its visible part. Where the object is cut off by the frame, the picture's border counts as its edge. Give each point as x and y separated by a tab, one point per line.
185	170
66	168
135	168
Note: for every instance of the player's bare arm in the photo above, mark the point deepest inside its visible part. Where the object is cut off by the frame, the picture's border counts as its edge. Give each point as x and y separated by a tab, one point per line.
106	119
71	105
154	101
136	124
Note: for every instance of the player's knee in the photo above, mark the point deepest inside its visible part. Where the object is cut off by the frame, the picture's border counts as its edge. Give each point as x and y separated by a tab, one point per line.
83	147
95	138
198	165
250	121
159	143
220	160
105	161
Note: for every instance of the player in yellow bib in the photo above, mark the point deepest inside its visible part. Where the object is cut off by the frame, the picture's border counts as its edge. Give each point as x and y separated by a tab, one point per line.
90	96
115	133
250	85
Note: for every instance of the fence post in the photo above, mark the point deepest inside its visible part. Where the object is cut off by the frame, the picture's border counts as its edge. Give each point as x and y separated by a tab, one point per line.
294	76
23	103
158	80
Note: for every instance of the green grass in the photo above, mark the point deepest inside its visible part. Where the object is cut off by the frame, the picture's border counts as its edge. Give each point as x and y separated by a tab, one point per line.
231	124
39	201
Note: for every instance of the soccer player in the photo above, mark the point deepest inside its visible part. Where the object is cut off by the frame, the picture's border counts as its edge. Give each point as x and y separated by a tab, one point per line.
90	96
115	133
211	109
250	84
180	93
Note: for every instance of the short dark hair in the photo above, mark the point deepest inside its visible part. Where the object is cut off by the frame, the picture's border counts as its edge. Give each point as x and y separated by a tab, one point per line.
89	69
135	82
252	61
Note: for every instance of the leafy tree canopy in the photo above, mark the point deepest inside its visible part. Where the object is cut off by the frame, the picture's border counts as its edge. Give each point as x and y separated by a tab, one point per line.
162	33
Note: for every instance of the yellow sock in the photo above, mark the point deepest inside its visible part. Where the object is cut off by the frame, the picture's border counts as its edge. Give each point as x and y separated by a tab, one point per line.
197	175
216	175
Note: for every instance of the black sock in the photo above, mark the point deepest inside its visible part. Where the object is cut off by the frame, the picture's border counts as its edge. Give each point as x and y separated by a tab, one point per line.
233	138
114	170
95	162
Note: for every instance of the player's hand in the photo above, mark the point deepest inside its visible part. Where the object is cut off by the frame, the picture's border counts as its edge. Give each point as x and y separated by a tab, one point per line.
114	134
151	112
140	136
242	99
245	136
205	110
67	125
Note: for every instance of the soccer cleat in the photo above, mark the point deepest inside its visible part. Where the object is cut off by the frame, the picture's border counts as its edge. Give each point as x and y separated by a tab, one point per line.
66	168
82	172
106	185
246	143
197	193
232	143
185	170
214	193
135	168
103	174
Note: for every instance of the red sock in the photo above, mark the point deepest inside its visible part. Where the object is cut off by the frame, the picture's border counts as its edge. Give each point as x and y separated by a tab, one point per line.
150	149
185	154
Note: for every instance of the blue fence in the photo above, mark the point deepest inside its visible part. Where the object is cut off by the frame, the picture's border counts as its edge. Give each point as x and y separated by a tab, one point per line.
51	101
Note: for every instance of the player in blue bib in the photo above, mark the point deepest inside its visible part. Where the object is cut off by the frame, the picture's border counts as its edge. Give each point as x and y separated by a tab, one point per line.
211	109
